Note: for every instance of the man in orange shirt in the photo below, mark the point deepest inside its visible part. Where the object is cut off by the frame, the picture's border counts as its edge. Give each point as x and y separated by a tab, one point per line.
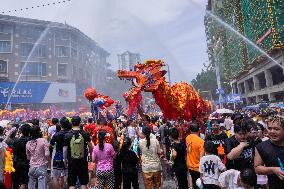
194	149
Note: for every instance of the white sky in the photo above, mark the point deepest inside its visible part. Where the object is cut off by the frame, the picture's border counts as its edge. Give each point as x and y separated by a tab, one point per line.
171	30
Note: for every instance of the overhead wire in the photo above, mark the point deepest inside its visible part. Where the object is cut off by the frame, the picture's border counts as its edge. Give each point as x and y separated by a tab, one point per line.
36	6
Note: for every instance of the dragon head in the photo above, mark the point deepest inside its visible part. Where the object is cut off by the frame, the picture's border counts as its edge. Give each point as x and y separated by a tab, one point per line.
147	77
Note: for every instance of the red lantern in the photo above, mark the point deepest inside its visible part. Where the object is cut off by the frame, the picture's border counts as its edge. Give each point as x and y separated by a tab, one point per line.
90	93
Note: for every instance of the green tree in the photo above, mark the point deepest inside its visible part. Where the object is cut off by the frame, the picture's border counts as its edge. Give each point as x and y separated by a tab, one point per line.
206	83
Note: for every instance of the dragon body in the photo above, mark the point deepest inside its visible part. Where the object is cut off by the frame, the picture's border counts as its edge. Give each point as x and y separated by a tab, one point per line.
177	101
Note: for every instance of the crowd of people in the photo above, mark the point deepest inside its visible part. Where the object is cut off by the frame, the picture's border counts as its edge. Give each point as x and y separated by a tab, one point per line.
240	150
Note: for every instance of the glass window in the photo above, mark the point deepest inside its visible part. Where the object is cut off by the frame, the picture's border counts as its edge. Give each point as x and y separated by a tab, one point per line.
61	51
39	51
5	46
73	53
62	69
62	35
3	66
34	69
26	48
5	28
31	32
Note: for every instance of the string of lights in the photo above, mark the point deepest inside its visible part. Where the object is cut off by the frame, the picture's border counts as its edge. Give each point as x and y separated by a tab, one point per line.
36	6
260	21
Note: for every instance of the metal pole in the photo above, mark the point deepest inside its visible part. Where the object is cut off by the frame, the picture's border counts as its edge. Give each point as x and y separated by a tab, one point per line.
169	74
217	68
232	91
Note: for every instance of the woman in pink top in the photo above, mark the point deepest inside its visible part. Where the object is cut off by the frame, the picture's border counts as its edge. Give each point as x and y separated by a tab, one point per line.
37	150
103	155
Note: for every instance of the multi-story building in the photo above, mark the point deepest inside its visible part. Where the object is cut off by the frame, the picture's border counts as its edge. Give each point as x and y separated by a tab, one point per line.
251	37
127	60
42	51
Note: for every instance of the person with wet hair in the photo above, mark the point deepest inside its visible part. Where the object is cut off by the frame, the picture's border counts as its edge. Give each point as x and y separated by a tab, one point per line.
103	155
210	167
178	158
59	171
269	155
77	146
37	150
194	147
129	161
20	177
151	163
217	136
239	149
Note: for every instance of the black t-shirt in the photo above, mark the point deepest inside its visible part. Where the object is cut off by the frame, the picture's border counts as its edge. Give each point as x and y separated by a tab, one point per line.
217	140
19	150
58	139
68	137
179	161
270	154
245	160
129	161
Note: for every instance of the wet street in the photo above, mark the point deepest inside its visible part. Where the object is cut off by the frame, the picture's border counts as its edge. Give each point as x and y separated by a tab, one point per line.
168	180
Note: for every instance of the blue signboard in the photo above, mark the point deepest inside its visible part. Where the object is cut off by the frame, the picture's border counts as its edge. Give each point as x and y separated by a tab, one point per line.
220	91
24	92
234	98
36	92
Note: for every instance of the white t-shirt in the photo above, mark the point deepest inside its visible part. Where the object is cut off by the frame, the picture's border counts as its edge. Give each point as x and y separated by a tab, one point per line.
51	131
131	132
228	123
229	179
211	166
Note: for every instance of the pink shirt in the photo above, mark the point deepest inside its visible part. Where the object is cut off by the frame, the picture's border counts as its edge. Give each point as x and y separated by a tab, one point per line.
103	158
37	152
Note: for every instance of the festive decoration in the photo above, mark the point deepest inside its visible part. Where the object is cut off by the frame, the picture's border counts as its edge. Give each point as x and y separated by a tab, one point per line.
178	101
90	93
260	21
8	168
99	104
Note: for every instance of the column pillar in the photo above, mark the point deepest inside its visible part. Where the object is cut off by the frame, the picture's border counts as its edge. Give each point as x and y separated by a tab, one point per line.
271	97
246	87
256	82
268	78
239	88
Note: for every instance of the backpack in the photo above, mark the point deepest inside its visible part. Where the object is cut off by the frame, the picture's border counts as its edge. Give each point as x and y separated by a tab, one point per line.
77	146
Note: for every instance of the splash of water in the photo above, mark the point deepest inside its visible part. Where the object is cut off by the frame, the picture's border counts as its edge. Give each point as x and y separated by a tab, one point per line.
226	25
42	35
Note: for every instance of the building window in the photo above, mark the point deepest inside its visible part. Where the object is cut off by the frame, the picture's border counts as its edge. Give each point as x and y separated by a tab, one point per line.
5	46
31	32
61	51
26	48
73	53
39	50
33	69
62	69
5	28
3	67
64	35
